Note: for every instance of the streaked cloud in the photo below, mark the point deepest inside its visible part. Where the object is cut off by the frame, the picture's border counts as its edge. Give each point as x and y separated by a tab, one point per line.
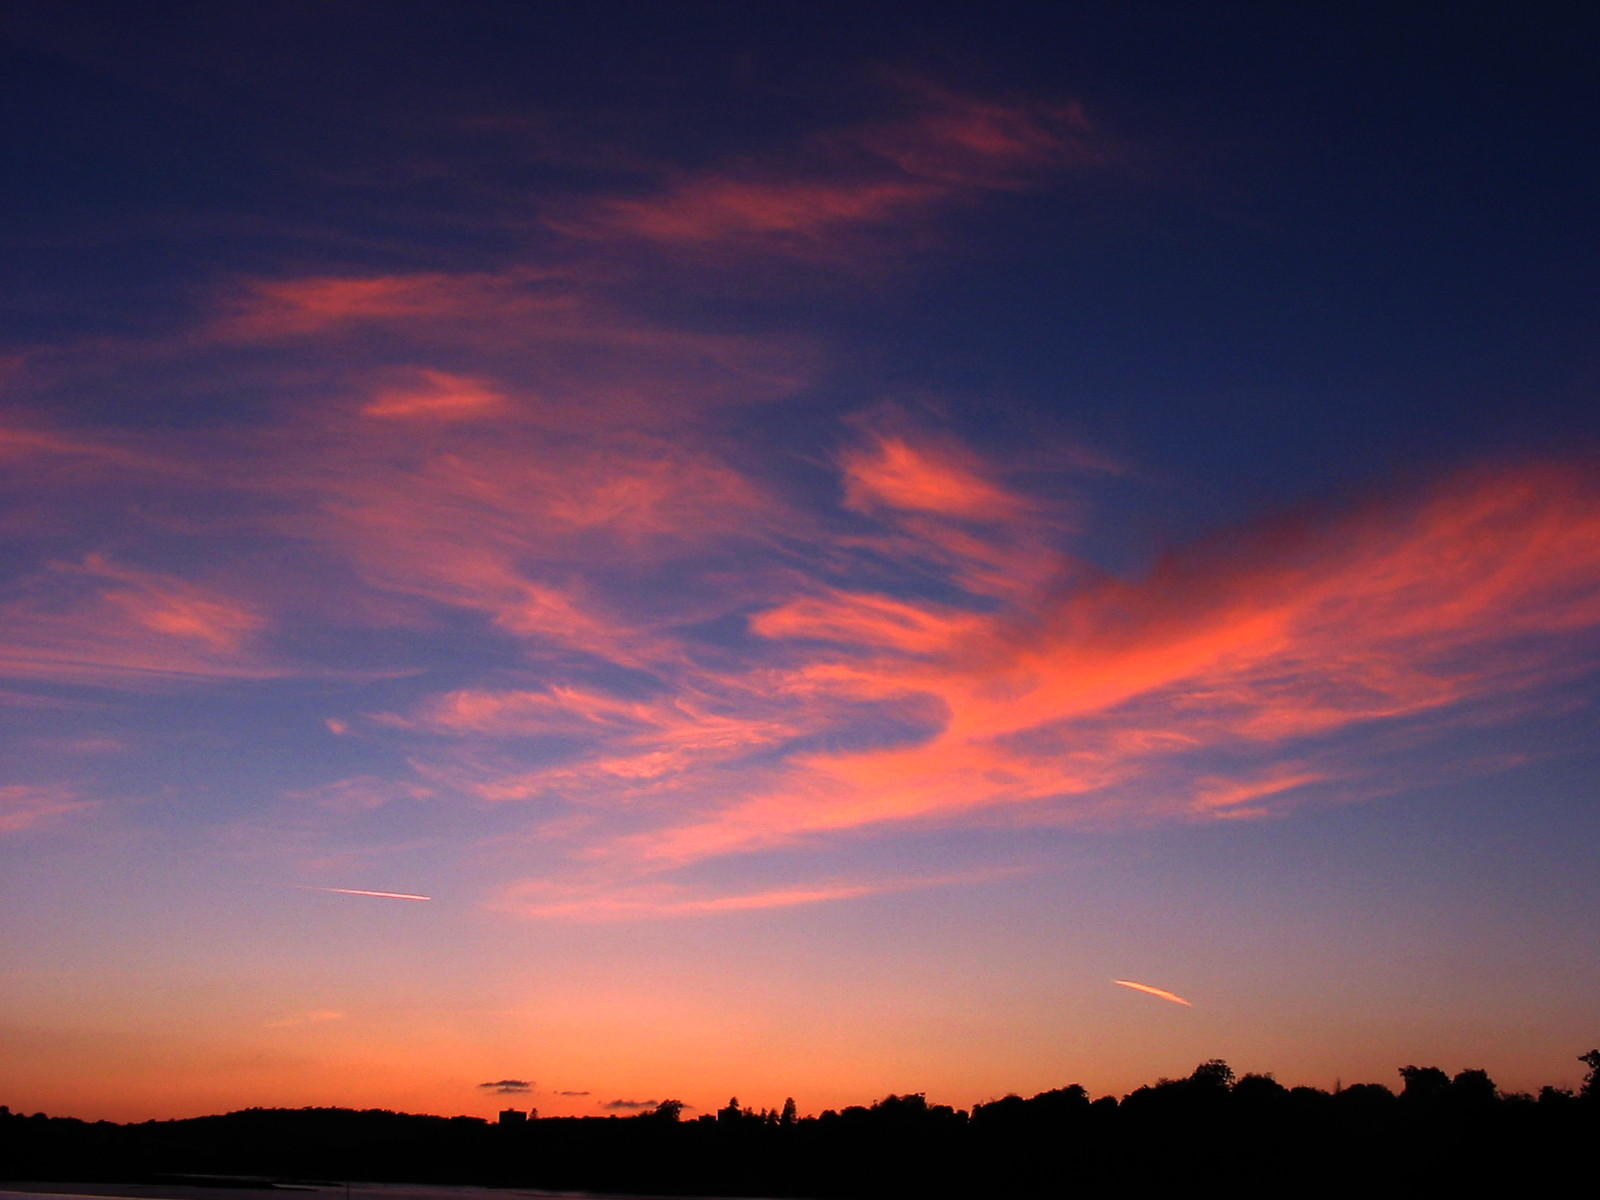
361	792
819	197
364	892
27	806
614	901
315	1017
101	621
889	472
1113	702
509	1087
1153	991
435	395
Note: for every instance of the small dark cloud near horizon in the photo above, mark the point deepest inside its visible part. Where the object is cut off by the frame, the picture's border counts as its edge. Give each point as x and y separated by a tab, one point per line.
507	1087
574	1093
614	1104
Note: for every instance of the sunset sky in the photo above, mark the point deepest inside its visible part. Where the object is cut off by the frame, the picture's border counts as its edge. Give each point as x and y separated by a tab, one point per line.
572	555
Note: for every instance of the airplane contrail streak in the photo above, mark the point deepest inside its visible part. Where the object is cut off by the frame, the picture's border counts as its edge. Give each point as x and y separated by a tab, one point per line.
361	892
1154	991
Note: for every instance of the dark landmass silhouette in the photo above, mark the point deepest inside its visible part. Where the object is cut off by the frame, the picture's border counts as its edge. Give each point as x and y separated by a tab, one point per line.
1208	1132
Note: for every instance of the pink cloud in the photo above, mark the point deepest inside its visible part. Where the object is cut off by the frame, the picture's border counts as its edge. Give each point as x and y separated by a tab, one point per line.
1233	798
889	472
23	806
1095	703
435	395
868	621
666	746
571	350
277	308
967	139
506	522
823	195
598	899
1103	704
45	455
536	899
360	793
104	622
710	210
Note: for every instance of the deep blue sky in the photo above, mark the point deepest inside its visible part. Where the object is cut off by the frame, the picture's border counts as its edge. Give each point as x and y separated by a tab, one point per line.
1334	243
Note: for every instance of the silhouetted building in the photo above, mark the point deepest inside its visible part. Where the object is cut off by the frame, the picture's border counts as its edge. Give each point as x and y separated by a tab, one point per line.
512	1116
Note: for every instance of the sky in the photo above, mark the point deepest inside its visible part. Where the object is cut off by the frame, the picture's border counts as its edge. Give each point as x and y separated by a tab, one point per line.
570	556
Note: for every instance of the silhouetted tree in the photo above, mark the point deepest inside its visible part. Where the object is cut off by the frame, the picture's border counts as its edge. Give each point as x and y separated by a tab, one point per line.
909	1109
1591	1082
997	1114
1213	1075
1310	1103
1473	1089
1365	1099
1259	1092
1424	1085
788	1116
1059	1105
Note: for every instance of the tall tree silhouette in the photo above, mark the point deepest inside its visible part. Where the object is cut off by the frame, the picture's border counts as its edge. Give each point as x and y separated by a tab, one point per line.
1591	1082
1424	1085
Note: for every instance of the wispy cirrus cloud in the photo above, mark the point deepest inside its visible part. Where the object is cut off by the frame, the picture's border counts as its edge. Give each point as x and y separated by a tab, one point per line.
435	395
100	621
1110	702
630	901
566	349
820	199
524	501
315	1017
1234	681
27	806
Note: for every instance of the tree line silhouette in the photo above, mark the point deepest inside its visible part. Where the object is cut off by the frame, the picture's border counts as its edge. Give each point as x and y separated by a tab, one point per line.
1208	1131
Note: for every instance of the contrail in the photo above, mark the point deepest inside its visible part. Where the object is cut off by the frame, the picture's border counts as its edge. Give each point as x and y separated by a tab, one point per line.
1154	991
361	892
